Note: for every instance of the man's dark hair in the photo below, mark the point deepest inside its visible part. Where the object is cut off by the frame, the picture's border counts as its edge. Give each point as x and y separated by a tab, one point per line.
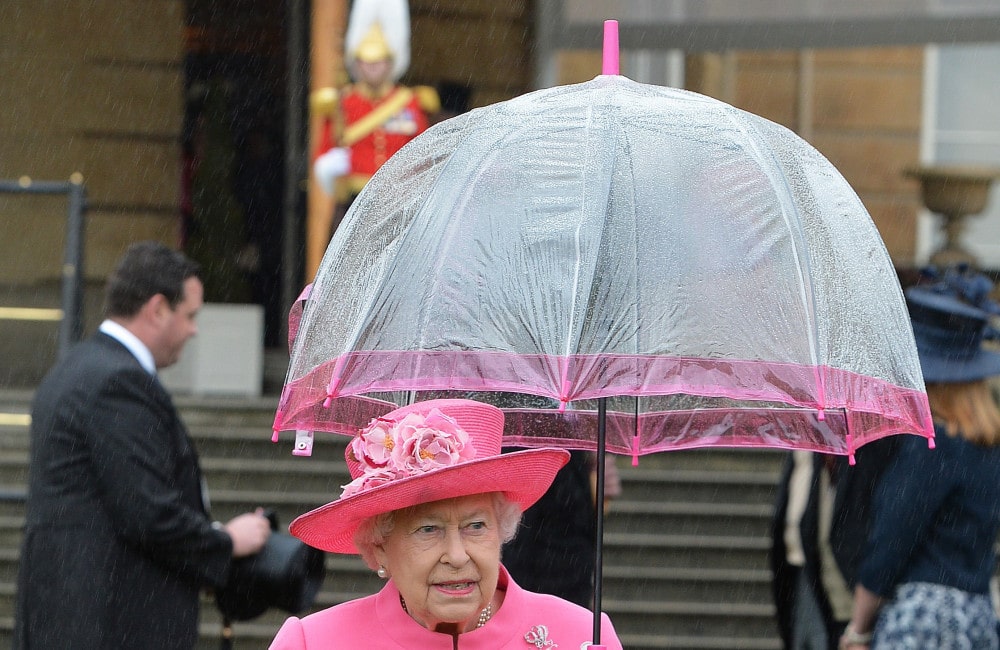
146	269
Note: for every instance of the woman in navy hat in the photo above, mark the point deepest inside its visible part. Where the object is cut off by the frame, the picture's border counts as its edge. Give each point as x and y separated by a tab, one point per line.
924	579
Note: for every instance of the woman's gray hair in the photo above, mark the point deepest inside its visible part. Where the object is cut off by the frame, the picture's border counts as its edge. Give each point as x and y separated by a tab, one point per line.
373	531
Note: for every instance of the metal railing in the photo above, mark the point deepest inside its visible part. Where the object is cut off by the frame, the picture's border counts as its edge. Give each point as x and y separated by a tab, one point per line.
70	314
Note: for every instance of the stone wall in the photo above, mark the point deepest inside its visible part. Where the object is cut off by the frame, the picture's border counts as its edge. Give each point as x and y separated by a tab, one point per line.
485	45
95	87
861	108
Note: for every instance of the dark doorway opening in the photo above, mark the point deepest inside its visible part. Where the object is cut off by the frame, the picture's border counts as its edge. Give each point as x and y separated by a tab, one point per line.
235	143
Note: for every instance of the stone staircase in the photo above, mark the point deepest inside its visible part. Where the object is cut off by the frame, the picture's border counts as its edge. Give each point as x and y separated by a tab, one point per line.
685	564
686	550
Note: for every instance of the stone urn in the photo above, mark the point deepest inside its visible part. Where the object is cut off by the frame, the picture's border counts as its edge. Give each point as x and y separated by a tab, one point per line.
954	192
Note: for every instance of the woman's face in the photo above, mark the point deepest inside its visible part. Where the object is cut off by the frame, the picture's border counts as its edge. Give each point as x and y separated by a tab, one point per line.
444	558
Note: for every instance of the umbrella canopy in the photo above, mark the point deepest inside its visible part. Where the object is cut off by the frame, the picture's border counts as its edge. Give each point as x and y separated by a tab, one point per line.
705	268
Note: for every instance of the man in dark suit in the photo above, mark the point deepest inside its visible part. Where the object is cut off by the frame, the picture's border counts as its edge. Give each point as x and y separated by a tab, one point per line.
118	541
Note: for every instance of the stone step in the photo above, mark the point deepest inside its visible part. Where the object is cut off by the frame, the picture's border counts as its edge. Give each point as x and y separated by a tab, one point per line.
8	591
14	437
708	486
254	443
688	518
240	412
700	552
226	504
700	642
691	618
13	466
11	531
18	399
12	500
234	412
714	459
673	584
283	474
9	560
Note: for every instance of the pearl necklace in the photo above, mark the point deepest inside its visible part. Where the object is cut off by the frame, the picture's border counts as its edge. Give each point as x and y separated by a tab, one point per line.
484	616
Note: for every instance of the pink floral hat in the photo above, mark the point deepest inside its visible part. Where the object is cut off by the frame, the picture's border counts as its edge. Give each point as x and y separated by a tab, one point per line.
428	451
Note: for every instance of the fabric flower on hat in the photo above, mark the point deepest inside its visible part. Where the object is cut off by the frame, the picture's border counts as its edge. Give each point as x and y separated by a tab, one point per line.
373	446
427	443
387	450
373	477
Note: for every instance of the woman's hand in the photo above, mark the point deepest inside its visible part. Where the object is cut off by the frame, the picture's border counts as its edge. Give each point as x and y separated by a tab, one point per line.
851	638
866	607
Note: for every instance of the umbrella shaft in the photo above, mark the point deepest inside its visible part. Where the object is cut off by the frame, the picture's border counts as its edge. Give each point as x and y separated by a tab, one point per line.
602	412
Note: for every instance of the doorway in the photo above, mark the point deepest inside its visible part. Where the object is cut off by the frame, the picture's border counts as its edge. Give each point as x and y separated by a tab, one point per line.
236	144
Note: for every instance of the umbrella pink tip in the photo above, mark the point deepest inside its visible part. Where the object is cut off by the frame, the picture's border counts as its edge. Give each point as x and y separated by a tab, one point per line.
562	406
276	427
930	443
821	415
609	63
851	460
334	387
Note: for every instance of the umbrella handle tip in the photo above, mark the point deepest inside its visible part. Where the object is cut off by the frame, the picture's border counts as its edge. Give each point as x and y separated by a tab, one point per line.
303	443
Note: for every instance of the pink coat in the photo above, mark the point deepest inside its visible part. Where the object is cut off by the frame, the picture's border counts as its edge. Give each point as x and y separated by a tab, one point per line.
526	620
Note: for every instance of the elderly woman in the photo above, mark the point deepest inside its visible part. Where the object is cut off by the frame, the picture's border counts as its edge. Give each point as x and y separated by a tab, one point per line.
431	503
924	577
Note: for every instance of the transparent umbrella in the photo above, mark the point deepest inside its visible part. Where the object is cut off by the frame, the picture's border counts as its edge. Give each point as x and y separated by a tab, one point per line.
652	268
614	239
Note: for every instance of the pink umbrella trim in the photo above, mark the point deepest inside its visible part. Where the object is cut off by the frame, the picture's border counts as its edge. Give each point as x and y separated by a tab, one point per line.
864	407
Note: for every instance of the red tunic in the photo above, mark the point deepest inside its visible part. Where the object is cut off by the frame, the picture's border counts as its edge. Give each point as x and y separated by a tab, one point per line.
370	152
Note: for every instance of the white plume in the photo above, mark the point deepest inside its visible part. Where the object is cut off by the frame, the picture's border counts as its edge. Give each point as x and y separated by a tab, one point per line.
393	17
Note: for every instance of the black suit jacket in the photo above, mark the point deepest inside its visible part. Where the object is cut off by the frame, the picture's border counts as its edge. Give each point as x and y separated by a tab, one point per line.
553	552
118	542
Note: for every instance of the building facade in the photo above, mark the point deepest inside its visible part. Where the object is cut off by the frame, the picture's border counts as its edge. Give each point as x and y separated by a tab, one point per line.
157	103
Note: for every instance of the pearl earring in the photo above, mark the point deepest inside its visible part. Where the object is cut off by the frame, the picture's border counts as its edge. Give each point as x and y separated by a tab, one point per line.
382	573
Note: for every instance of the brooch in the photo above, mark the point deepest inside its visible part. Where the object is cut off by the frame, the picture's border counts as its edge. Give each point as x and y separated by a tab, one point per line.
538	636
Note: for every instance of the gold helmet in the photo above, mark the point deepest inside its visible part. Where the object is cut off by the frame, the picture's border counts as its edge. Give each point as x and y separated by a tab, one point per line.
373	47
